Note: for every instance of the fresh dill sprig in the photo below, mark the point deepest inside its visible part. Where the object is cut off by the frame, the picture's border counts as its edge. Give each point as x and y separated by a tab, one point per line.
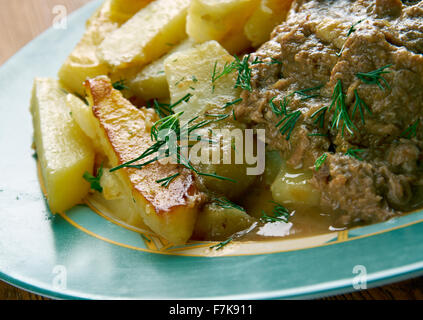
305	95
353	153
360	105
120	85
375	77
279	213
274	61
218	116
411	131
350	31
232	103
163	109
95	180
222	244
340	115
288	124
320	116
320	161
226	204
244	72
317	135
166	181
289	120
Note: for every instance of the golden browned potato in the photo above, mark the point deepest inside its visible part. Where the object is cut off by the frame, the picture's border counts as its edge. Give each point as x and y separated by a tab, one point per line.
268	15
83	62
220	20
123	10
146	36
124	133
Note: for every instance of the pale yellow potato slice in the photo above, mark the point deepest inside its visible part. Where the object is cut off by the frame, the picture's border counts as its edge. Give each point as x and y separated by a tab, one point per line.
294	187
146	36
83	62
268	15
124	132
123	10
191	71
64	152
220	20
151	82
217	223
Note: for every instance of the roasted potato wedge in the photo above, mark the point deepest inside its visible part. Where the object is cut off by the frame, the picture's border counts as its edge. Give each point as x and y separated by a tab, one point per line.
146	36
124	133
265	18
64	152
83	62
220	20
151	82
123	10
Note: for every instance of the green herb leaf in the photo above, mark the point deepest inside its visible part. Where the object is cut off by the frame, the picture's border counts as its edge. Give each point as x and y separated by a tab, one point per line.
166	181
375	77
411	131
360	105
320	161
120	85
226	204
95	181
353	153
341	118
279	213
221	245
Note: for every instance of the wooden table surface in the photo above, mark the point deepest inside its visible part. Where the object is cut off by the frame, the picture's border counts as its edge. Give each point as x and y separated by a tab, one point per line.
23	20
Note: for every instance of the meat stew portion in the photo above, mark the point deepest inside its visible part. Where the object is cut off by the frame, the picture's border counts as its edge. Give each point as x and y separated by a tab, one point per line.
339	91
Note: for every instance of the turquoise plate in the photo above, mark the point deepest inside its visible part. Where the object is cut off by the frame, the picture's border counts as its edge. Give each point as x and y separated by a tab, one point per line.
84	254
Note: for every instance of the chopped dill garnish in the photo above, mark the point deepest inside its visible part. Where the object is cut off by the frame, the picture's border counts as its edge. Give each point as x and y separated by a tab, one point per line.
340	114
289	120
279	213
194	79
232	103
317	135
375	77
350	31
288	123
218	116
320	161
120	85
305	95
145	238
179	81
222	244
411	131
274	61
164	110
226	204
233	114
166	181
172	125
320	116
244	72
95	181
353	153
360	105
